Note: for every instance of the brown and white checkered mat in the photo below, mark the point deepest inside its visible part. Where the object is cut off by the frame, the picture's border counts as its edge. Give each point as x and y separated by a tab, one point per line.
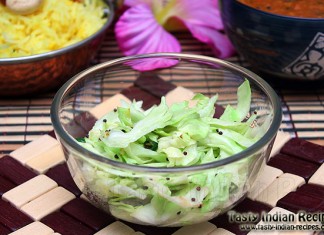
39	195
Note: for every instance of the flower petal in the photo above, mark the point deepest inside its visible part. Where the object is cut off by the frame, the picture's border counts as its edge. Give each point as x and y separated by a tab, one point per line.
147	64
202	12
219	42
131	3
137	32
203	19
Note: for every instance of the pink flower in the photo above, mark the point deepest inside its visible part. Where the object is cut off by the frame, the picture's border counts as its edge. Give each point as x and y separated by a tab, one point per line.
141	29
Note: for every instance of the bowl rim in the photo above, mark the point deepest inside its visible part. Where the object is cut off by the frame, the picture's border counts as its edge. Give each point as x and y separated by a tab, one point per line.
284	17
263	141
51	54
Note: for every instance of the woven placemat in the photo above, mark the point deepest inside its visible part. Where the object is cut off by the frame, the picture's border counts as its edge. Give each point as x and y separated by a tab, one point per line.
39	196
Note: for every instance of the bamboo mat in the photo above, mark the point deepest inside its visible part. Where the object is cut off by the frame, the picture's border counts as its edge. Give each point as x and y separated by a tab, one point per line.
24	120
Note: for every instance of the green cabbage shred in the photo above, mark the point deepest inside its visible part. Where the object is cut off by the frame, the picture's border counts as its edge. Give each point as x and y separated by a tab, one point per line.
175	136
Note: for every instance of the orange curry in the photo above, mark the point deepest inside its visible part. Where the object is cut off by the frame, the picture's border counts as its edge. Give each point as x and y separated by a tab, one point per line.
296	8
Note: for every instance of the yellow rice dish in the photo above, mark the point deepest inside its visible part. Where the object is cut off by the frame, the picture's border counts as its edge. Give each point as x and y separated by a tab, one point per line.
56	24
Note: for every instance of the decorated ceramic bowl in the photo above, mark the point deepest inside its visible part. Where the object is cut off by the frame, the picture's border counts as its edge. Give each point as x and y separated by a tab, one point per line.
281	46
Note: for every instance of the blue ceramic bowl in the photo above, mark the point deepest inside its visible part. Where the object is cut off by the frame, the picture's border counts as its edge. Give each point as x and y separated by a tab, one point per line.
287	47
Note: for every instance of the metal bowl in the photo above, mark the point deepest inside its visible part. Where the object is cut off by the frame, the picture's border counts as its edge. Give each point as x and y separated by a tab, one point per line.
28	75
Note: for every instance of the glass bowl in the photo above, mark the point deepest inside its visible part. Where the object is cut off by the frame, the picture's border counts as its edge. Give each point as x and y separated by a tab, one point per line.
153	195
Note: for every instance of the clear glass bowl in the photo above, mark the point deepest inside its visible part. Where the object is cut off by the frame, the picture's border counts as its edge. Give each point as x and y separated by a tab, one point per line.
117	187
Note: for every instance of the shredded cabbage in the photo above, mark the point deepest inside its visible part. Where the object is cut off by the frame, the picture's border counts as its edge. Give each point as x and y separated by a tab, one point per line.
174	136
